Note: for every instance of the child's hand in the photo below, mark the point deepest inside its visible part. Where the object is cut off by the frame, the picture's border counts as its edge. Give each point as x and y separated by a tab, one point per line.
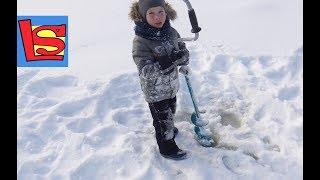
185	70
164	55
167	56
184	53
179	54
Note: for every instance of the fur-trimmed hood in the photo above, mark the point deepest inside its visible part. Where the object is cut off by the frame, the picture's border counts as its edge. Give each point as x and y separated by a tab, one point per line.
134	14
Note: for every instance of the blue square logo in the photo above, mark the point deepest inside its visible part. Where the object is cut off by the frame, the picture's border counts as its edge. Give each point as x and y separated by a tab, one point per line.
42	41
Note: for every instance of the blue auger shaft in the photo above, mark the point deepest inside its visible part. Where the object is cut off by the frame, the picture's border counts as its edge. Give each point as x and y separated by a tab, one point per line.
192	96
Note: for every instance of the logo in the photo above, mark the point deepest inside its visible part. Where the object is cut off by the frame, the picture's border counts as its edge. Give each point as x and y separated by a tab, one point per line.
42	41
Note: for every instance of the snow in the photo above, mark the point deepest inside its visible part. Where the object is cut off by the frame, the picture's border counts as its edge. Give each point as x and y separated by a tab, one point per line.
90	121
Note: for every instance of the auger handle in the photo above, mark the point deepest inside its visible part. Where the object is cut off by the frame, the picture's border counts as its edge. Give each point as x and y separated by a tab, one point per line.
194	21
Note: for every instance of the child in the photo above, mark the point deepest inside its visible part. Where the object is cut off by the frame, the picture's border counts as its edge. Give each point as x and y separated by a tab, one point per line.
157	61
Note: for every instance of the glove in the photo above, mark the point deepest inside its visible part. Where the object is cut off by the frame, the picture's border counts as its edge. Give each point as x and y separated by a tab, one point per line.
167	56
183	58
182	45
185	54
165	61
185	70
175	55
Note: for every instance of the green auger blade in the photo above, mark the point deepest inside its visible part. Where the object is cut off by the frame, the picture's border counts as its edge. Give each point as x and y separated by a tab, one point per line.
198	121
203	137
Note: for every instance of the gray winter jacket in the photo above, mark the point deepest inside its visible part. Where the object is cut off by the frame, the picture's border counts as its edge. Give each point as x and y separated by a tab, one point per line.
156	84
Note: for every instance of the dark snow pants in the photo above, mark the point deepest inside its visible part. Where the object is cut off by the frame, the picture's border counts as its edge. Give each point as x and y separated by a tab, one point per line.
162	113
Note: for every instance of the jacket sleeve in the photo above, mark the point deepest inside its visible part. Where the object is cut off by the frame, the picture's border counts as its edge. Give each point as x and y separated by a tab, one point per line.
143	58
182	45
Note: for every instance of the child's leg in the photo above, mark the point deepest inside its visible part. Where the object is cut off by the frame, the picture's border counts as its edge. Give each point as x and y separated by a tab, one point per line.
173	105
163	124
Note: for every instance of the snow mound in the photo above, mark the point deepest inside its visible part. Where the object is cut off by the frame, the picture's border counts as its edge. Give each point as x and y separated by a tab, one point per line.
69	129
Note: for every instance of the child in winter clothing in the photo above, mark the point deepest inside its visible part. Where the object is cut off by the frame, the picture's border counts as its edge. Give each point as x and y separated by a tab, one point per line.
157	61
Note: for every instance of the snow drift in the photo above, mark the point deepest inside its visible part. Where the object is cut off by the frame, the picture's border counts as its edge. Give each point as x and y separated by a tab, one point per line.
73	129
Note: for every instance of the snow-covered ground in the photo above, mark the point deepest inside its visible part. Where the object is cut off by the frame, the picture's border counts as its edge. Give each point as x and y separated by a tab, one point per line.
70	129
86	123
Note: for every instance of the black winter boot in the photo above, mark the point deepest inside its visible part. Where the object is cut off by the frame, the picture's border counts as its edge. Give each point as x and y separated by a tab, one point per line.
176	155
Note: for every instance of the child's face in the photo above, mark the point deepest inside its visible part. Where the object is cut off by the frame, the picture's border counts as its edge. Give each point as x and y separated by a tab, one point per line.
156	16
